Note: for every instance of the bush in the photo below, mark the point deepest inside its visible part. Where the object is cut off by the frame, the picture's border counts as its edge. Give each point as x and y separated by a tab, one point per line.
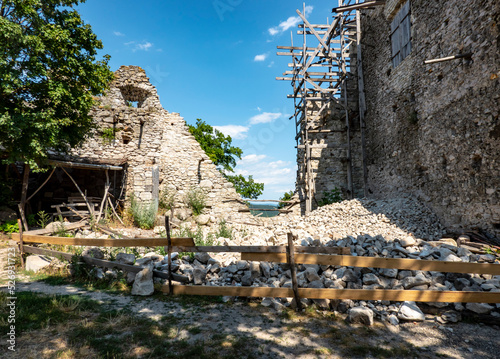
196	199
167	199
224	230
9	227
329	197
287	196
144	214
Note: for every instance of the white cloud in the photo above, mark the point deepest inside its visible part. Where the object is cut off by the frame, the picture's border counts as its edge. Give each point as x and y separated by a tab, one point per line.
272	174
261	57
265	117
144	46
271	64
118	33
236	132
292	21
251	159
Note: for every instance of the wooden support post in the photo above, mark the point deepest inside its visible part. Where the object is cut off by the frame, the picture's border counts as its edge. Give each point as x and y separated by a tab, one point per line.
103	202
91	210
308	176
24	192
291	263
21	244
114	211
362	103
169	251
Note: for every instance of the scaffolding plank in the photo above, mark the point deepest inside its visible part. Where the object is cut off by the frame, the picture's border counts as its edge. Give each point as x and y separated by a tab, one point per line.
379	262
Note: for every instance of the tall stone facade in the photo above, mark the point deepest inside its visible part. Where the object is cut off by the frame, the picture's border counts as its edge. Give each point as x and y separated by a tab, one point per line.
154	146
433	130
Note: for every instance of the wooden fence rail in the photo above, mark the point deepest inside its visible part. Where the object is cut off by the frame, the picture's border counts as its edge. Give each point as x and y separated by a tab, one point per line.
283	254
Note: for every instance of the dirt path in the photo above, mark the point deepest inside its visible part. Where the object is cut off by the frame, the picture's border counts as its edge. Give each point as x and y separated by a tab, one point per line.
274	335
300	337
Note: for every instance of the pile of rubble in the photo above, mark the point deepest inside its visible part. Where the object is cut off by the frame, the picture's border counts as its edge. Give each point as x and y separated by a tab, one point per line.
398	228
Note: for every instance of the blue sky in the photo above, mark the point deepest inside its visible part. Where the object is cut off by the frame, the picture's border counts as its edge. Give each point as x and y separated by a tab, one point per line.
216	60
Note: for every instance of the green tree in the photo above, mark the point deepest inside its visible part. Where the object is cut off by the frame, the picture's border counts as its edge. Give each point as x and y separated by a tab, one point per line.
49	76
218	147
287	196
248	188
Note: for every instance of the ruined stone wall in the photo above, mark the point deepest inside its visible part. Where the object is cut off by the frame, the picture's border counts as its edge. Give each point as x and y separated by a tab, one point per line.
433	130
134	130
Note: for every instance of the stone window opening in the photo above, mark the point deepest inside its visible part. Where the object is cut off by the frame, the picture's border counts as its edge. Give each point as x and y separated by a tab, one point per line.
401	34
134	97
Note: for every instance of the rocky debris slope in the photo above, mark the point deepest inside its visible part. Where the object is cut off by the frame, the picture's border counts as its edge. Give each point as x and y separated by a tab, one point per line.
396	228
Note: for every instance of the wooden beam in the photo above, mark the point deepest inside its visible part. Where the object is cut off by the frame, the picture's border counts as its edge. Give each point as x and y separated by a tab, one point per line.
449	58
247	210
96	242
364	5
103	263
87	166
354	294
378	262
261	249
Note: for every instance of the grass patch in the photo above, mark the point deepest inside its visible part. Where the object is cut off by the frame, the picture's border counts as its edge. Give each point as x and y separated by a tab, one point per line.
196	199
34	311
74	327
144	214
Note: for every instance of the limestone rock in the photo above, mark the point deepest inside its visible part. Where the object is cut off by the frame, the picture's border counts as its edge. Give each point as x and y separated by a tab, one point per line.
479	308
125	258
361	315
143	283
35	263
199	275
203	219
411	312
93	252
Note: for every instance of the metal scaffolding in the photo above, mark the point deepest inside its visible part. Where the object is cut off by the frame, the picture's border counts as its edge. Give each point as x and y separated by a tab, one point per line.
321	77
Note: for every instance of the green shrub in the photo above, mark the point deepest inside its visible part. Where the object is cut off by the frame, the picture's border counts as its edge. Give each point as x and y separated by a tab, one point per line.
108	134
9	227
329	197
167	199
196	199
224	230
144	214
43	219
287	196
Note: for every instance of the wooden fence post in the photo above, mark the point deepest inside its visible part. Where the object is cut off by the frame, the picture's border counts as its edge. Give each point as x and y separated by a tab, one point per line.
291	262
21	244
169	249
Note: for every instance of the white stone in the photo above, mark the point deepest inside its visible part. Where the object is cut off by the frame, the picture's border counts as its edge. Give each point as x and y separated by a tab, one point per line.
361	315
143	283
411	312
36	263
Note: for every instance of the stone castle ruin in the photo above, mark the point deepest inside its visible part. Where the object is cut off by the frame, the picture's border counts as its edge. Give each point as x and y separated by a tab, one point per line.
402	97
148	150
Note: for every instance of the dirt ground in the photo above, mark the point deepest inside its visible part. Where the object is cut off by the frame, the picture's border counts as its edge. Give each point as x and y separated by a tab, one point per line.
272	334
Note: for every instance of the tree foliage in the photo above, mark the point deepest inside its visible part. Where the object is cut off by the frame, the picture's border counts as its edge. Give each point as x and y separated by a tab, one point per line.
287	196
248	188
218	147
49	76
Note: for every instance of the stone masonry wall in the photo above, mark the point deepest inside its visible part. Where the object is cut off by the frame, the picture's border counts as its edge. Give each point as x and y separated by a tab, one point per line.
433	130
136	131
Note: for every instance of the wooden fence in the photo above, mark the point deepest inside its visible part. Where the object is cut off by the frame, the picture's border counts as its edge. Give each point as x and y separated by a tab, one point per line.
281	254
